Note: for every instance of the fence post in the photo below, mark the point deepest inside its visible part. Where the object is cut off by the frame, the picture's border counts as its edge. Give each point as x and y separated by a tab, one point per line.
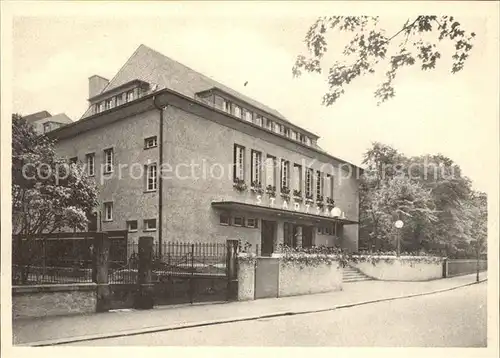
232	270
144	298
101	253
445	267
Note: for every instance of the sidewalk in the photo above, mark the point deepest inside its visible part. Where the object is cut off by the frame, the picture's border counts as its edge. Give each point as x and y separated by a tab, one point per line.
57	330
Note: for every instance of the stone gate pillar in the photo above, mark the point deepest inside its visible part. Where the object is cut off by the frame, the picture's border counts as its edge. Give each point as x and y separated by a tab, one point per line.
144	298
101	257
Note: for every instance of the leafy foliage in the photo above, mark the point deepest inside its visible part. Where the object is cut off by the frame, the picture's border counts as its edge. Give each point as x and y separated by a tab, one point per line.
429	193
370	48
47	193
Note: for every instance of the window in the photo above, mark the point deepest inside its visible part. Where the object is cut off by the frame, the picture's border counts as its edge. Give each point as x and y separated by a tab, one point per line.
73	160
297	177
309	184
108	160
269	124
330	185
238	221
224	219
151	177
285	174
109	103
277	127
46	127
129	96
239	163
150	225
252	222
226	106
108	211
287	132
319	185
247	115
90	164
150	142
99	107
258	120
132	225
308	141
256	167
119	99
270	170
237	111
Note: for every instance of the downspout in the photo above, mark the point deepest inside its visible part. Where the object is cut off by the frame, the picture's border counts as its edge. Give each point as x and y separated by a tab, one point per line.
160	182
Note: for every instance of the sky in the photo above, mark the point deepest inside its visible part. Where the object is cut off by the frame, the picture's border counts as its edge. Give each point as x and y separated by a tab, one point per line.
433	112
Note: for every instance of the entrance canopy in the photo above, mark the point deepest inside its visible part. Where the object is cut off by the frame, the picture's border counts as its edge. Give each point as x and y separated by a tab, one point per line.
268	210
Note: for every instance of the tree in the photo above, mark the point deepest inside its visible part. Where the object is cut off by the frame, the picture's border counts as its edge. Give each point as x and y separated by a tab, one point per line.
429	193
396	198
371	49
48	194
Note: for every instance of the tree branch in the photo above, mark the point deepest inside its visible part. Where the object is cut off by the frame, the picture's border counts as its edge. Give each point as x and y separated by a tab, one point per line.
404	28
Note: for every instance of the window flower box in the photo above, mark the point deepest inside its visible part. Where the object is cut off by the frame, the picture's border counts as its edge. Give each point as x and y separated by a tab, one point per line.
285	192
330	203
256	188
297	195
309	199
239	184
271	191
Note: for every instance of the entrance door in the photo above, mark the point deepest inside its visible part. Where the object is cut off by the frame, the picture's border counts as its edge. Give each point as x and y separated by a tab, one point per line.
268	233
307	234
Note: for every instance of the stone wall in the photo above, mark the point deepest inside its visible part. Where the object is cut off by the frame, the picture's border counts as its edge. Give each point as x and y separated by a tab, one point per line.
402	269
246	280
297	280
293	279
53	300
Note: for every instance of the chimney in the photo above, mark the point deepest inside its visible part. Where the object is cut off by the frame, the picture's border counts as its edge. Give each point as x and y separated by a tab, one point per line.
96	85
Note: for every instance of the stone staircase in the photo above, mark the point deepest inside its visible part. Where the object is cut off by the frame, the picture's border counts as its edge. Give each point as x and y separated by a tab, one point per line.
352	274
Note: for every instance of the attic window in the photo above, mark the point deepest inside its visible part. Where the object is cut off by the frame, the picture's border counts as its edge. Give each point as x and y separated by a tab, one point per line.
226	106
237	111
129	96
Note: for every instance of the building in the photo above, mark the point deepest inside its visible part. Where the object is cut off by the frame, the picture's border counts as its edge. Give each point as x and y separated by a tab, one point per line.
44	122
181	157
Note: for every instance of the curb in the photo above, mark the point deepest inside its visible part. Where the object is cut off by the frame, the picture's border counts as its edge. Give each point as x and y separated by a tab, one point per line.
134	332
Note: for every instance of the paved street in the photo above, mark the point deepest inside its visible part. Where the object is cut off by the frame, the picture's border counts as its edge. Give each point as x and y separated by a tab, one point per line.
454	318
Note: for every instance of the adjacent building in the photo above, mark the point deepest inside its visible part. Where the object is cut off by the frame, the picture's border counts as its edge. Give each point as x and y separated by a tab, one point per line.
44	122
181	157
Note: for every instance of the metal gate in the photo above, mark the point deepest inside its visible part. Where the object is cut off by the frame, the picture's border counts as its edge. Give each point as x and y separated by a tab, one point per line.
189	273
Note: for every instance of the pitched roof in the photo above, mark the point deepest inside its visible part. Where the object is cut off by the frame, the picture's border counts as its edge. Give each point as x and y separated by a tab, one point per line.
61	118
153	67
37	116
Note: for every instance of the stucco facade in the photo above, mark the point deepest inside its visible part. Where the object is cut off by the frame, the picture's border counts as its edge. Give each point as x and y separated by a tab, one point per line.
194	153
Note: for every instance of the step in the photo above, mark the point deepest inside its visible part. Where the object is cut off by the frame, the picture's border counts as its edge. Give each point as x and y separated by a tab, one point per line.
357	276
358	279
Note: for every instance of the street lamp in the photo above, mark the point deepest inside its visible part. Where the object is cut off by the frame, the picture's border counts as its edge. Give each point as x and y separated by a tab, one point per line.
399	225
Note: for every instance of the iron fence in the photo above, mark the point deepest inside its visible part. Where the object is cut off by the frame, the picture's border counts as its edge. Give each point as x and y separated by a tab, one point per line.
51	261
124	263
465	267
190	259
